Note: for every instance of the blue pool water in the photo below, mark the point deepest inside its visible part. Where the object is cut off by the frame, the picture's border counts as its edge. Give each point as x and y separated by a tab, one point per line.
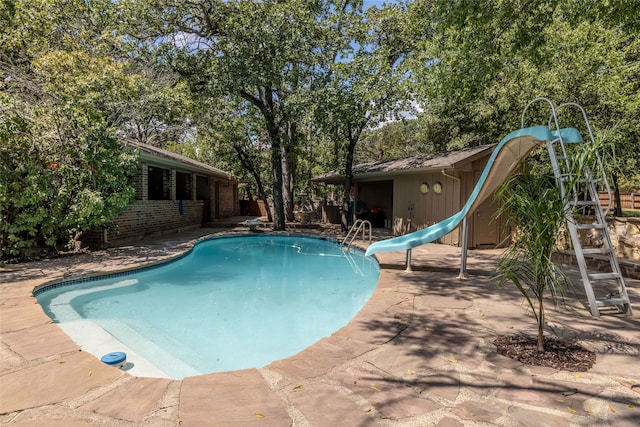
231	303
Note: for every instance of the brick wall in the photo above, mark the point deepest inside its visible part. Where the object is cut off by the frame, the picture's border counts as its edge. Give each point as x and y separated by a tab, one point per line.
146	218
140	181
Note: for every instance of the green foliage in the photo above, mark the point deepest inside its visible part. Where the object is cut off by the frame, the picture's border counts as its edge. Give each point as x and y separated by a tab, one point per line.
262	57
536	212
258	86
394	140
232	141
487	59
56	187
62	170
366	90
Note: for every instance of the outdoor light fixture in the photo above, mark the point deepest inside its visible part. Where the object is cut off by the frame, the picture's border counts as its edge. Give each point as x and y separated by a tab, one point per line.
437	188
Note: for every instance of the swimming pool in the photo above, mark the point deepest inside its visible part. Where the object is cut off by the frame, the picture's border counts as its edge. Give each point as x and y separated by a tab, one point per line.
231	303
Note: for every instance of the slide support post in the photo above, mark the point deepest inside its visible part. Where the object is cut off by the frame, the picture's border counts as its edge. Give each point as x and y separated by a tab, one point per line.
463	256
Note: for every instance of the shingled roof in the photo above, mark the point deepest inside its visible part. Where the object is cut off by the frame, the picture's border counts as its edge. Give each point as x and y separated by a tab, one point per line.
176	161
431	162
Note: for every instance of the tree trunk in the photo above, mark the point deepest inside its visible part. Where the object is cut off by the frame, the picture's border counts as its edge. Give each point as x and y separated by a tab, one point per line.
266	106
347	215
353	136
540	324
287	190
288	168
617	207
278	200
309	161
250	166
264	198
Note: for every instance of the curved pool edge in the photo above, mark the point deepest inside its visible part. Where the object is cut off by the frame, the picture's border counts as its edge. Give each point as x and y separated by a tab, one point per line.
141	367
67	281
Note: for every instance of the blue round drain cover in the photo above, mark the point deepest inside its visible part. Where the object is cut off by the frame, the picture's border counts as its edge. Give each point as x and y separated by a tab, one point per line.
114	358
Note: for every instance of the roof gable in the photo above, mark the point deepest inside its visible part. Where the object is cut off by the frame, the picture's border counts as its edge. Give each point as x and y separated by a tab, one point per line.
422	163
176	161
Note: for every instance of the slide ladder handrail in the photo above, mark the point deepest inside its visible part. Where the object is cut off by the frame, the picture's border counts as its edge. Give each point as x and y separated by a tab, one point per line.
600	174
551	106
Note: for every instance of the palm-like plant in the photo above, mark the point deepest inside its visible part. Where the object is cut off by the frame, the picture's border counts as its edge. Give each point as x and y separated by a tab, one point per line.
535	209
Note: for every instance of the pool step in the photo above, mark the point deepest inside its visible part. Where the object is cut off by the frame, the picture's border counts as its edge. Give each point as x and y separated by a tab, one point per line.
96	340
163	359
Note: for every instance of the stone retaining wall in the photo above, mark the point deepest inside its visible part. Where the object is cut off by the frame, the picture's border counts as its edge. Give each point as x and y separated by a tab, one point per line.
625	237
624	232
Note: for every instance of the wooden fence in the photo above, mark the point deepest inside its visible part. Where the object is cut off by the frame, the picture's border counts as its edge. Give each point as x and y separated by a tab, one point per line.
628	200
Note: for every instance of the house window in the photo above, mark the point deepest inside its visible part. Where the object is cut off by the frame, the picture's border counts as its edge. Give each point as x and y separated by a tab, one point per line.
159	181
184	187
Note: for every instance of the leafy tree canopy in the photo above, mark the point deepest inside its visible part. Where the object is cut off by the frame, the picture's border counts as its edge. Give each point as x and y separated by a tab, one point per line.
487	59
64	91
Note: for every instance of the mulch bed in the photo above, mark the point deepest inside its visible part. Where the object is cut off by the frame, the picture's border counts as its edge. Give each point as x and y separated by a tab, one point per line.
558	354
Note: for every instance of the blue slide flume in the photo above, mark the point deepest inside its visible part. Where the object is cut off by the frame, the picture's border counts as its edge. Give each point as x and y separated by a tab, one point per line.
503	161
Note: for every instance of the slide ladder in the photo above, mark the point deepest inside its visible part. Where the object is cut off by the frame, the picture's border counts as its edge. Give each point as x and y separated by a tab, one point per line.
581	196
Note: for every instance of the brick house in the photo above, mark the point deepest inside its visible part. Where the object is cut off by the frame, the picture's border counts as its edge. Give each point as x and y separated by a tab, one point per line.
173	193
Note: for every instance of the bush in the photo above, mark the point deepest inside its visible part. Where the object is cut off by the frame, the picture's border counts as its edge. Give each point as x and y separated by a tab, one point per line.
53	188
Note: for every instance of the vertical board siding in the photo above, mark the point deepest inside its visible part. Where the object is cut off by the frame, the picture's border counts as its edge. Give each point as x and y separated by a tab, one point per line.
427	209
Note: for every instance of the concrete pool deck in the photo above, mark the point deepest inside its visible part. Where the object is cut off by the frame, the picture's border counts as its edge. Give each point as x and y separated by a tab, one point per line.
419	353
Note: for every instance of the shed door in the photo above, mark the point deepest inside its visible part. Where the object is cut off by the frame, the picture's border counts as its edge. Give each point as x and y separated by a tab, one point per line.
485	226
